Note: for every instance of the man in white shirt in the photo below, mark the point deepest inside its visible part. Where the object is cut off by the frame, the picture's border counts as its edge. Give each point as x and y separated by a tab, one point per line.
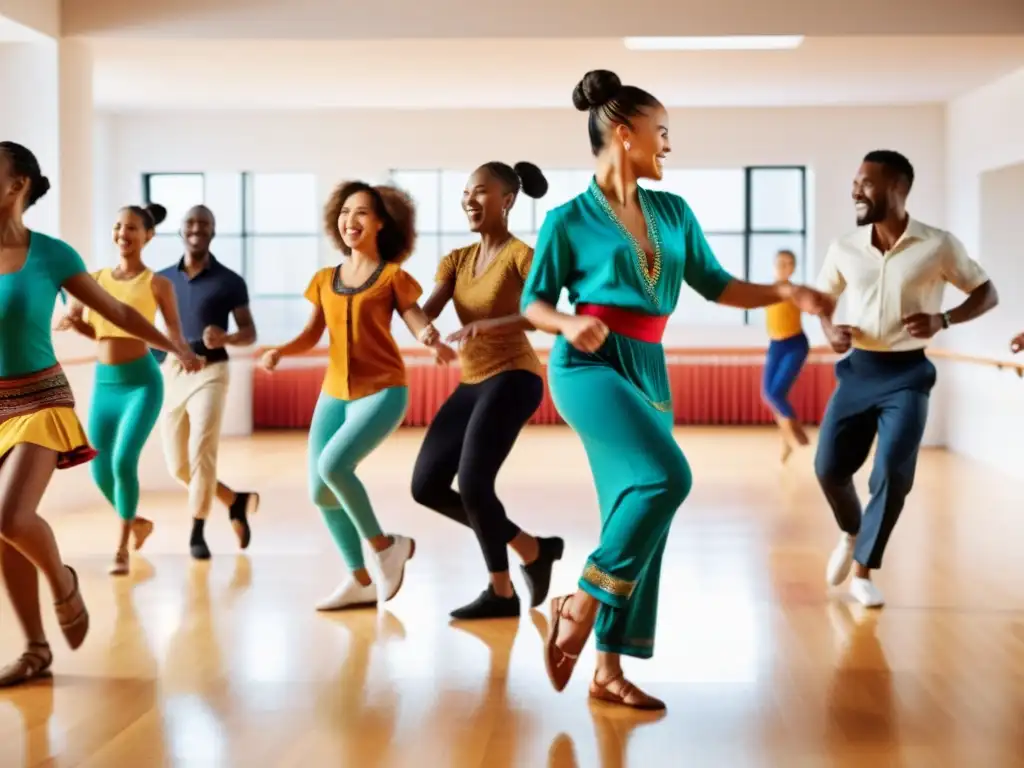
893	270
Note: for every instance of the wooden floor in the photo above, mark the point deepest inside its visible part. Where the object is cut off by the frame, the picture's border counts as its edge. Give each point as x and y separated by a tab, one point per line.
227	664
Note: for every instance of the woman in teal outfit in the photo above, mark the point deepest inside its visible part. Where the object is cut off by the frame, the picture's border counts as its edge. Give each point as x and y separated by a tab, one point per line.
623	253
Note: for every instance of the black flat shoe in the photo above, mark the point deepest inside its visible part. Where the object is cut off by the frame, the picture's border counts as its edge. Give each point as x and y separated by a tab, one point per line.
538	573
245	505
489	606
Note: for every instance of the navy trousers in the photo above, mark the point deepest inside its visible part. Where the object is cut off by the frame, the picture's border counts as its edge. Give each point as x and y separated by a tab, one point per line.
782	365
884	394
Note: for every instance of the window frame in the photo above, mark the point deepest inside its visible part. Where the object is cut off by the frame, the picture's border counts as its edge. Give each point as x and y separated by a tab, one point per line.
748	232
247	235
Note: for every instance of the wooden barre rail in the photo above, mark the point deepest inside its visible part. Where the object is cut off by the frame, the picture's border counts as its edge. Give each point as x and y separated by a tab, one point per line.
819	352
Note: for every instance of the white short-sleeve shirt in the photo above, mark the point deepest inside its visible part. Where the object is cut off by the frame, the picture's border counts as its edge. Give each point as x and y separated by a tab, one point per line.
882	288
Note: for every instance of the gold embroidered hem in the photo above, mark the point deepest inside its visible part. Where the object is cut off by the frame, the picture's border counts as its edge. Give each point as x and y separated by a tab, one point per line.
608	583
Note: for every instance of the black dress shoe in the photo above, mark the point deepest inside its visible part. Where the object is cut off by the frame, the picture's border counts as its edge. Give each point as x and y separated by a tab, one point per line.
489	606
244	505
538	573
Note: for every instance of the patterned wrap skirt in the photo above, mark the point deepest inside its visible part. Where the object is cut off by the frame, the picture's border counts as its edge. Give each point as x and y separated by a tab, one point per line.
39	408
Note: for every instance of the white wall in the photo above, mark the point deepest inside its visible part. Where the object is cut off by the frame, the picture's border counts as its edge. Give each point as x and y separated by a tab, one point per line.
336	145
984	407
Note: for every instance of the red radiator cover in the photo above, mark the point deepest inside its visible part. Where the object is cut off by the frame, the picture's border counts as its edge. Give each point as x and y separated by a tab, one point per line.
703	392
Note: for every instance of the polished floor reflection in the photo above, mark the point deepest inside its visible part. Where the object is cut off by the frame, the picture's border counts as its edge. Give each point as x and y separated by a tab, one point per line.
227	664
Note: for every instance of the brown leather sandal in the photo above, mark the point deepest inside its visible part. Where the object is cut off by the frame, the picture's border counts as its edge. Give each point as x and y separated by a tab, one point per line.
72	614
627	695
33	664
559	662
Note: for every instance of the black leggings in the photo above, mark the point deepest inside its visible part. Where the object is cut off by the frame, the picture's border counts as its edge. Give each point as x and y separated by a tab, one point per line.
471	437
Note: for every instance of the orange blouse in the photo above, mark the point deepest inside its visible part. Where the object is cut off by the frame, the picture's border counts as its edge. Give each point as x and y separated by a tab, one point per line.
363	357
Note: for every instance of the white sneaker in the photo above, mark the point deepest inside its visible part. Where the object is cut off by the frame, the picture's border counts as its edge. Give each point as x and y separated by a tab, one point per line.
840	561
391	565
350	594
866	593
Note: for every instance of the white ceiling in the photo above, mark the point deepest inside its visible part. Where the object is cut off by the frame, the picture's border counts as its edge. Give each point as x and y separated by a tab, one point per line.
532	73
338	19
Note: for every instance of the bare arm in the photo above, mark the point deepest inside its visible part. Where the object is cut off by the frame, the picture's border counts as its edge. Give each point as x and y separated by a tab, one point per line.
744	295
438	299
75	322
416	320
545	317
246	333
84	288
978	302
308	338
163	291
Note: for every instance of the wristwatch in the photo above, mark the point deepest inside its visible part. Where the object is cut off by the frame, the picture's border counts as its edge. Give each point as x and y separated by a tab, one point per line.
946	322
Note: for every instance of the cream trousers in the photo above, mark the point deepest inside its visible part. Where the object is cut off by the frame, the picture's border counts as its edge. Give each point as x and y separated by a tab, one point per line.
193	412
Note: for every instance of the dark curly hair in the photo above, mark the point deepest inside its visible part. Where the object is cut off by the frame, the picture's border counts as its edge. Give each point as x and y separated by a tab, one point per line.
392	206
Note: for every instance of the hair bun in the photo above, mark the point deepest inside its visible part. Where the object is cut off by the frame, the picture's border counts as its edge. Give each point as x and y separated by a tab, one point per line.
156	212
531	179
42	186
597	88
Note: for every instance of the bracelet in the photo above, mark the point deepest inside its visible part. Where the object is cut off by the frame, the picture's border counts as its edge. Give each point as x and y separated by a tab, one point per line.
422	336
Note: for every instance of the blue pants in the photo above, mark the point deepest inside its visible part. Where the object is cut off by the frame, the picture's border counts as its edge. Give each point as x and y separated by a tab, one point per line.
782	365
883	393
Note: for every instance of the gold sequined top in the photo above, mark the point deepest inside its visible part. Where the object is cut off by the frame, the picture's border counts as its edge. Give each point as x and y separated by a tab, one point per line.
492	294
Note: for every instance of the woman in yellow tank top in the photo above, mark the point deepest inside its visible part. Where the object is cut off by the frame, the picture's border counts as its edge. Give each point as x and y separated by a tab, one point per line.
129	389
787	352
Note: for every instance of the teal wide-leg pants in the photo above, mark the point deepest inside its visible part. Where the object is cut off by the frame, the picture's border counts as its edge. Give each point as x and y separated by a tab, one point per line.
641	476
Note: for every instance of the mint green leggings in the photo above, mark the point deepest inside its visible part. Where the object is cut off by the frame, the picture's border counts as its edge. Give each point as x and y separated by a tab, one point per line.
343	433
126	403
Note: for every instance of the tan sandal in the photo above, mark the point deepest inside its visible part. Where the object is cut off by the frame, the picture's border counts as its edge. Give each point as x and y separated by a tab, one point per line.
559	662
141	529
72	614
33	664
627	695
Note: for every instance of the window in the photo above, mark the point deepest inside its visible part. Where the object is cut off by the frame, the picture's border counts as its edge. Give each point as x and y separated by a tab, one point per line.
747	215
267	230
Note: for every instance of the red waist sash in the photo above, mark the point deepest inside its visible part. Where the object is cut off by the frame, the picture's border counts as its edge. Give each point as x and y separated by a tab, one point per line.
625	322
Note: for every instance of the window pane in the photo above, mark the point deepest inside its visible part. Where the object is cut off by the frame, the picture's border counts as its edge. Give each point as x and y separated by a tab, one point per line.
229	251
450	242
422	187
520	218
563	186
224	198
279	319
776	198
283	203
693	309
717	197
763	249
177	192
423	263
161	252
282	265
453	218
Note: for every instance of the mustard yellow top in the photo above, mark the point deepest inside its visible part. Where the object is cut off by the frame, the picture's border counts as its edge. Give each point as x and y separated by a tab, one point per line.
136	292
363	357
783	321
493	294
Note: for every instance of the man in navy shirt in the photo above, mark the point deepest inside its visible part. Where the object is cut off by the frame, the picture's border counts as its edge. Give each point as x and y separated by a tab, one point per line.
208	294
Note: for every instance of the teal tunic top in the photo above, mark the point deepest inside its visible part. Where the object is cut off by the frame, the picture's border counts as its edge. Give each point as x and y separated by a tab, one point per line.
27	298
584	248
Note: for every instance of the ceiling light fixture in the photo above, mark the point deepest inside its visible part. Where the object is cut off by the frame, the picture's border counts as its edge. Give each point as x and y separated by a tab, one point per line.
729	43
